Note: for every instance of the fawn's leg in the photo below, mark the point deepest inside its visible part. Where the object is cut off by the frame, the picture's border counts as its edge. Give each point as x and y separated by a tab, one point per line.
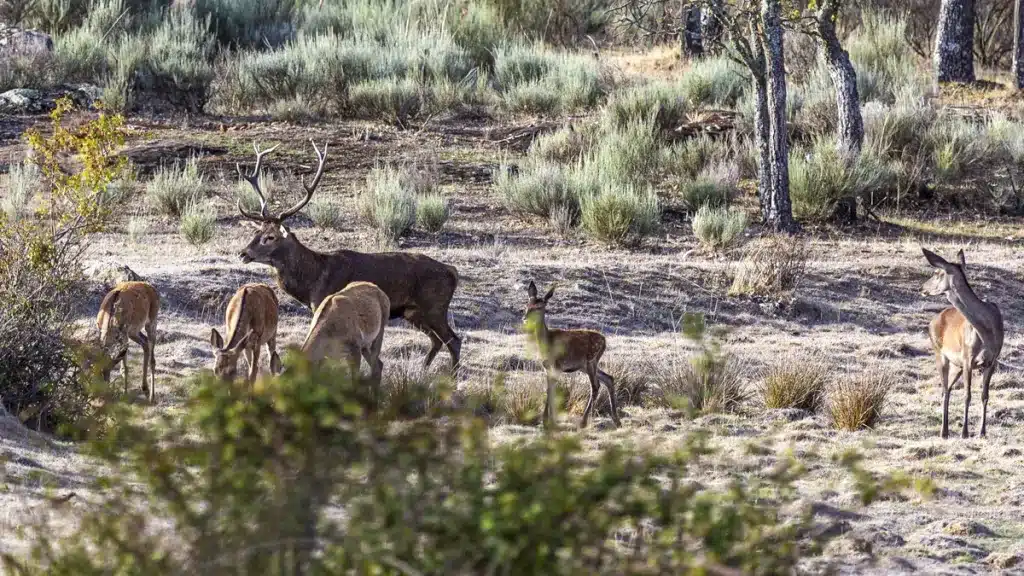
275	359
549	401
143	342
986	376
595	389
151	337
609	383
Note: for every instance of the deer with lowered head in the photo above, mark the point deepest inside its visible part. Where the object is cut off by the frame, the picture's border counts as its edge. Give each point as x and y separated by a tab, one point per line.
419	288
567	351
966	337
250	322
349	325
127	311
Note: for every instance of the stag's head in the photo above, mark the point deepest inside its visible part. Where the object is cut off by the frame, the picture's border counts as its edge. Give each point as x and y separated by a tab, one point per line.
274	243
945	273
226	358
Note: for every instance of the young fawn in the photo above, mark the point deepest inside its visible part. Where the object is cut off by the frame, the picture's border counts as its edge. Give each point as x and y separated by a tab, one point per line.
966	337
250	322
349	324
567	351
128	310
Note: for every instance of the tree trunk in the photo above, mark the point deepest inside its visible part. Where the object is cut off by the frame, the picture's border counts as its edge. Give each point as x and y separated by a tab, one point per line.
762	130
850	135
954	42
692	46
779	214
1018	44
711	26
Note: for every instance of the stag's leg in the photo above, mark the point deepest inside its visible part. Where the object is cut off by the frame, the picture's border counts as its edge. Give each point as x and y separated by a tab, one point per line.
595	389
275	359
946	387
609	383
967	396
124	369
436	326
143	342
986	376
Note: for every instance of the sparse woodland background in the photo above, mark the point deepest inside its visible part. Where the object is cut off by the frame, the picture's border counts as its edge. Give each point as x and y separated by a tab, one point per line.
730	134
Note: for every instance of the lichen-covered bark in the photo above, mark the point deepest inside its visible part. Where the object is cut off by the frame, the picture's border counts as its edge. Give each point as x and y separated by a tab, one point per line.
954	42
711	25
850	129
779	210
762	132
1018	44
693	45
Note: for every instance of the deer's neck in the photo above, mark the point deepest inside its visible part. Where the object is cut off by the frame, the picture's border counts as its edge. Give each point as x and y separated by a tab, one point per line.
541	335
299	272
978	312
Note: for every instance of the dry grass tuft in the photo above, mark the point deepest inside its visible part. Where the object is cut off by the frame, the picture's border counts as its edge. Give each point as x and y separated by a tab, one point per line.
702	385
522	403
409	391
794	382
771	265
856	403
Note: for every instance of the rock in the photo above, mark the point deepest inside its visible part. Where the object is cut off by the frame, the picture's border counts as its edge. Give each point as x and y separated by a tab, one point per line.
1003	560
965	528
948	548
22	101
110	276
18	42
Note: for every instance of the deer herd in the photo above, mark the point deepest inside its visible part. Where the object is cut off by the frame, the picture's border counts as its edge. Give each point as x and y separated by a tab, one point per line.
353	295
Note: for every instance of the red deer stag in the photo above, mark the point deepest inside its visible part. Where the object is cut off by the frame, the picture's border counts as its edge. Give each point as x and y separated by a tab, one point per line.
567	351
251	322
126	311
419	288
348	325
966	337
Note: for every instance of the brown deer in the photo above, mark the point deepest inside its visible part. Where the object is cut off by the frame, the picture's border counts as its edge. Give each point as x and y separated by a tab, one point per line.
349	324
250	322
126	311
966	337
419	288
567	351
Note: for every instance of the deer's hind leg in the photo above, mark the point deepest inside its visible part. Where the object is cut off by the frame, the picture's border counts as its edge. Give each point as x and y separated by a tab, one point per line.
595	389
609	383
151	337
947	386
275	358
143	342
986	376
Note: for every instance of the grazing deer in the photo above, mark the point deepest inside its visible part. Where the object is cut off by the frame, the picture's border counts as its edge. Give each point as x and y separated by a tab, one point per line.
250	322
126	311
349	324
567	351
968	336
419	288
94	360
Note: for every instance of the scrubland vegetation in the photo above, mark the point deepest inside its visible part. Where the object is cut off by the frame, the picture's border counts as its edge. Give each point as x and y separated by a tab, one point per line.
568	141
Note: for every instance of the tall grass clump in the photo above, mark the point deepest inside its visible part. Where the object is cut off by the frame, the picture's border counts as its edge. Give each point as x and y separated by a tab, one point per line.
23	180
432	212
540	188
80	55
628	154
794	382
771	265
713	81
898	130
822	175
1006	137
177	62
324	213
855	403
718	228
621	214
957	145
387	204
637	103
566	145
885	62
172	189
532	78
688	158
198	223
709	381
244	24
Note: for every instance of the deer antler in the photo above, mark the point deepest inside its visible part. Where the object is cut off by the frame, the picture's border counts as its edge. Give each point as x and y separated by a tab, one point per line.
254	181
321	157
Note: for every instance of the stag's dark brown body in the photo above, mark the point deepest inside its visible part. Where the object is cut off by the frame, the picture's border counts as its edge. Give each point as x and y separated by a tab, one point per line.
419	287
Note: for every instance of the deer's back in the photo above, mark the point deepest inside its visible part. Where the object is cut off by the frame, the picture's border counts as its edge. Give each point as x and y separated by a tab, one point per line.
129	306
253	307
408	279
572	349
354	316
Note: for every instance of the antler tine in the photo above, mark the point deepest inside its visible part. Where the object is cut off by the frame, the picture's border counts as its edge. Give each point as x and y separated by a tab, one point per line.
321	157
254	181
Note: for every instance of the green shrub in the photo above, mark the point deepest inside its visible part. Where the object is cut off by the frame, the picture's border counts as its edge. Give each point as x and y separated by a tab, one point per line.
717	81
324	213
198	223
541	188
137	229
638	103
535	79
718	228
173	189
620	214
821	176
885	62
957	145
432	212
898	131
80	55
240	23
689	157
794	382
710	381
770	265
704	192
23	181
626	155
565	145
857	403
1006	138
387	204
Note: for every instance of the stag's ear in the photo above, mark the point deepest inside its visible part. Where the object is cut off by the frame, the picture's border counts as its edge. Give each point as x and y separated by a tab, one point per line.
934	259
532	290
960	257
549	294
215	339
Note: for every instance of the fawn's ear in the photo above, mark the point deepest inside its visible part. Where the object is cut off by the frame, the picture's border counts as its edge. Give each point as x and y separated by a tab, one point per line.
549	294
215	339
532	289
934	259
960	257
